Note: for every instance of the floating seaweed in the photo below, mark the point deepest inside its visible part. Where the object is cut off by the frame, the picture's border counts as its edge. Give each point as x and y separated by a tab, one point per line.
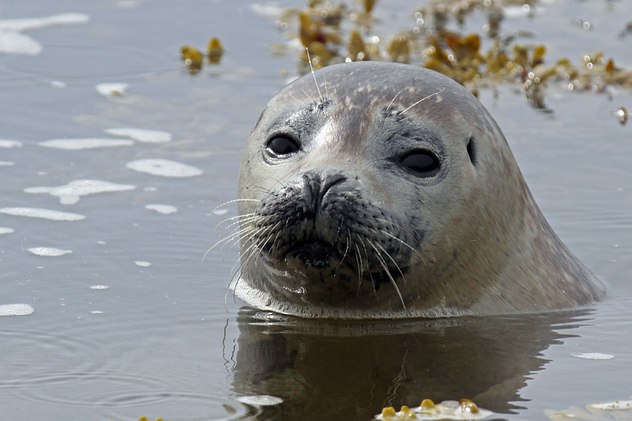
194	59
334	33
463	409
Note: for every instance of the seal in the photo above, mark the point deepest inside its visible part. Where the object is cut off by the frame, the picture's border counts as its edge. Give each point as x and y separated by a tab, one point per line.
383	190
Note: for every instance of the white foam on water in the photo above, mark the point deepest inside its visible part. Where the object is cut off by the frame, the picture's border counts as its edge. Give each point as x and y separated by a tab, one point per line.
6	143
127	4
164	168
446	410
111	89
260	400
17	43
85	143
49	214
5	230
592	356
6	164
142	263
57	84
19	25
71	193
220	211
99	286
271	9
48	251
15	309
614	405
96	312
164	209
12	41
141	135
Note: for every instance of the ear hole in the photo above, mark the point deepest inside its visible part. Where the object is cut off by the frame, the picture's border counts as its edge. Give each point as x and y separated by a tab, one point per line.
471	151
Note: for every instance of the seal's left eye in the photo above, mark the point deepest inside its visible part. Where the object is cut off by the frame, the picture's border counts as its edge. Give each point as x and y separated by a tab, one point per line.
281	146
421	163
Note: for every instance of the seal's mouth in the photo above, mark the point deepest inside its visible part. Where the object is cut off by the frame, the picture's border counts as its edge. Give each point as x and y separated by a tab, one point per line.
310	252
322	256
314	253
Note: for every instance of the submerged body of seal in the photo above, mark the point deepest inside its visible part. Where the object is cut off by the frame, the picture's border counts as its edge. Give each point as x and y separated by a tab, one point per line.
382	190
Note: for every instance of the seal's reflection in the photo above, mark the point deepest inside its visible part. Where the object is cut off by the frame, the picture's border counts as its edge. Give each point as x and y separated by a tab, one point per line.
334	370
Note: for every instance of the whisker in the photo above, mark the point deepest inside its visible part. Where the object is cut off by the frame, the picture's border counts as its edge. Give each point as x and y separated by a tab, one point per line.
388	273
366	253
343	256
247	256
240	233
395	97
237	218
420	101
392	260
234	201
309	60
245	220
360	268
402	242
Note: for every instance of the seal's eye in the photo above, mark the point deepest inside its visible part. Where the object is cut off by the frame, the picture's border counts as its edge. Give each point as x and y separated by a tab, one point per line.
282	146
421	163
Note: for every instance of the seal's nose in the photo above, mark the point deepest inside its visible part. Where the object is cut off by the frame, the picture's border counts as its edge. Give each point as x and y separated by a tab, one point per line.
315	187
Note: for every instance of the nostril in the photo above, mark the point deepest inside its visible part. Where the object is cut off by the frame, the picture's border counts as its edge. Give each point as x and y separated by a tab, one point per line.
331	181
315	187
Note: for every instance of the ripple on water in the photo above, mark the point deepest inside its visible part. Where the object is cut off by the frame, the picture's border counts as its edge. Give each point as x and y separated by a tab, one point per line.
178	405
65	355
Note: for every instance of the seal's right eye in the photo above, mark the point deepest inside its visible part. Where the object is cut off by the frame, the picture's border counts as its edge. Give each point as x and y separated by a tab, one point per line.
421	163
282	146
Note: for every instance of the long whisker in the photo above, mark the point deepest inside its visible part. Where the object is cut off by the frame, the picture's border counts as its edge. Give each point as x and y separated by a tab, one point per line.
360	267
344	255
392	260
402	242
238	218
311	68
420	101
232	237
247	256
388	273
366	254
235	201
245	220
395	97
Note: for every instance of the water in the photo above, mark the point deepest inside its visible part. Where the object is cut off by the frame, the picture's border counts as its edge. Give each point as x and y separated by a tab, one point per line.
128	316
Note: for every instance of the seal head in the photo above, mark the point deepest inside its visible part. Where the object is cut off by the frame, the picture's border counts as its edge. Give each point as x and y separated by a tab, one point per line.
383	190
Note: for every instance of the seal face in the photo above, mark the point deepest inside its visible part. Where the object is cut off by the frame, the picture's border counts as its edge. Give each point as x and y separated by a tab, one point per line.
382	190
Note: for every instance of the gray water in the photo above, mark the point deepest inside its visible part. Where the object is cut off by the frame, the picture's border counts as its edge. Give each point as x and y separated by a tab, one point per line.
133	320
